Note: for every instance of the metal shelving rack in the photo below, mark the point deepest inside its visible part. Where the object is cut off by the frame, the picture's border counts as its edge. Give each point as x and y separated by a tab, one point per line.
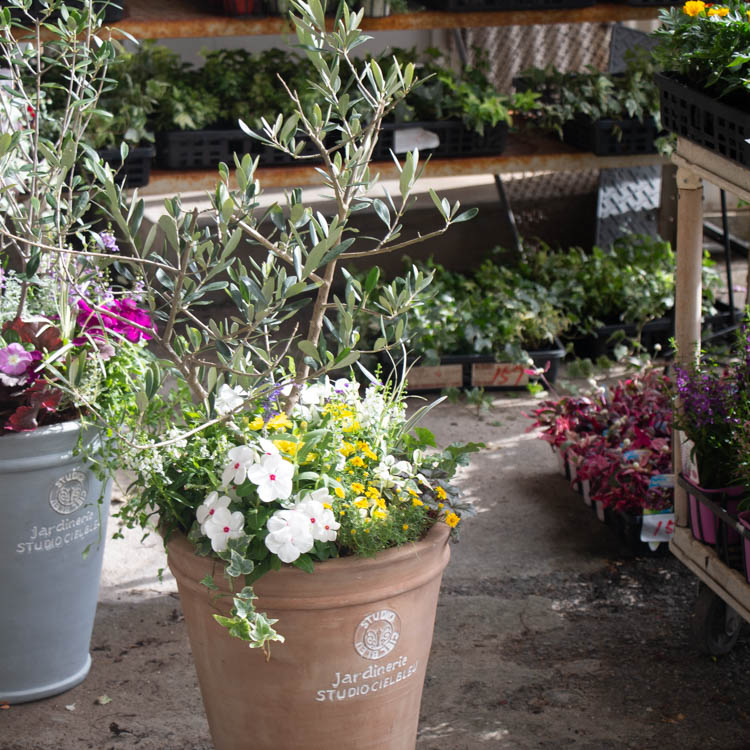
145	19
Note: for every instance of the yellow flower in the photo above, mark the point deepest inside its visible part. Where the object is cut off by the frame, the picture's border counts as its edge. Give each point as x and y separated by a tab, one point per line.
286	446
416	501
440	492
358	487
379	514
693	7
367	531
362	503
440	506
342	512
380	502
346	449
452	520
405	527
327	506
372	492
721	12
362	445
356	461
350	426
354	531
256	424
279	422
339	492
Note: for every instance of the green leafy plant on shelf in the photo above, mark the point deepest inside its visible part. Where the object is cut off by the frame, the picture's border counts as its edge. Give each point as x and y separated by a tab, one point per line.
593	94
468	95
708	45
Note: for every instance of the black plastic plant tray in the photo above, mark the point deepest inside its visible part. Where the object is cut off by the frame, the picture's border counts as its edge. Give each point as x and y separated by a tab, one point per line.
608	137
455	139
201	149
479	5
136	171
602	342
710	123
540	358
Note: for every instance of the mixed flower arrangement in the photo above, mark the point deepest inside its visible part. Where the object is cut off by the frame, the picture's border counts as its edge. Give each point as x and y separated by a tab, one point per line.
66	321
707	44
618	439
341	473
235	433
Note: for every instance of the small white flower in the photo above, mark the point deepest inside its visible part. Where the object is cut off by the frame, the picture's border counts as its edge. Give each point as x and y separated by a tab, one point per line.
268	448
289	535
344	385
208	508
223	526
323	523
273	475
314	393
241	458
229	399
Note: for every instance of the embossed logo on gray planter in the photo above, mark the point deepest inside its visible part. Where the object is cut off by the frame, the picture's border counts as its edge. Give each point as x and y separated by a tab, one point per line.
69	492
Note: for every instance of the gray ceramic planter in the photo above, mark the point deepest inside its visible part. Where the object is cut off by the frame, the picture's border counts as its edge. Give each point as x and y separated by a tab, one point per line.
51	514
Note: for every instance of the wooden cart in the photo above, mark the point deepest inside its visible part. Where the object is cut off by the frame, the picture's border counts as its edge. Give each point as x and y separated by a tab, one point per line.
724	593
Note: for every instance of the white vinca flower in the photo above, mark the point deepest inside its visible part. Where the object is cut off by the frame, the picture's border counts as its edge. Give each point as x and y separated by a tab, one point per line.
273	475
289	534
323	523
208	508
229	399
241	458
223	526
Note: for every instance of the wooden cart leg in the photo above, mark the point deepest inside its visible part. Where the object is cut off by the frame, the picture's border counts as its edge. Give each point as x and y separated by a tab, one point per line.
688	295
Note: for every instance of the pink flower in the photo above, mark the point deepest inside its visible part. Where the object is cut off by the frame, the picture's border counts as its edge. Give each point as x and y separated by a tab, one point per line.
17	365
91	320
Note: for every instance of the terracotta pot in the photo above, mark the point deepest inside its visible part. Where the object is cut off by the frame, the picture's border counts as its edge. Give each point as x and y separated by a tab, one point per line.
351	671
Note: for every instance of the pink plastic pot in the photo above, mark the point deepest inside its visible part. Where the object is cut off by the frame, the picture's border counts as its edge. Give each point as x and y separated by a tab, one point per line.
703	523
744	519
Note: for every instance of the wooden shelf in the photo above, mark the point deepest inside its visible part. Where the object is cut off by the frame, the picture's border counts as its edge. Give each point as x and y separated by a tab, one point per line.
524	153
145	19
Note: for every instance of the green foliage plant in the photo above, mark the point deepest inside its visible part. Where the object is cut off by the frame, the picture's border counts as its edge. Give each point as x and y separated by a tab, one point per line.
593	94
708	45
230	405
468	95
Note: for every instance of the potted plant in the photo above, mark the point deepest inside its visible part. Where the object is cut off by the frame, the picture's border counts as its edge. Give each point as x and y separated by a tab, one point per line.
625	291
605	113
485	329
257	463
197	114
452	113
709	400
703	50
72	356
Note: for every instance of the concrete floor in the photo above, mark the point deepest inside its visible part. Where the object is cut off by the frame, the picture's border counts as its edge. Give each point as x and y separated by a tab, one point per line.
549	634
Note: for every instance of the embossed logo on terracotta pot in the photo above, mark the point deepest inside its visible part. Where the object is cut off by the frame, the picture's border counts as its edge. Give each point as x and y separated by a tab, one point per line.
377	634
69	492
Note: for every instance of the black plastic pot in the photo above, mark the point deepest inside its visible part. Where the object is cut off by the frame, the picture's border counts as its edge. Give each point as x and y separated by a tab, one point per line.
715	125
136	171
455	139
542	358
608	137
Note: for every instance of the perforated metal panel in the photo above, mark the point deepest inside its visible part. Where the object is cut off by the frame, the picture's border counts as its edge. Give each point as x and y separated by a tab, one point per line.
512	49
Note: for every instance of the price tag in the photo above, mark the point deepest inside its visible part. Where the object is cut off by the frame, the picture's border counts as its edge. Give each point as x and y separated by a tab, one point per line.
488	374
661	481
658	526
407	139
633	455
441	376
